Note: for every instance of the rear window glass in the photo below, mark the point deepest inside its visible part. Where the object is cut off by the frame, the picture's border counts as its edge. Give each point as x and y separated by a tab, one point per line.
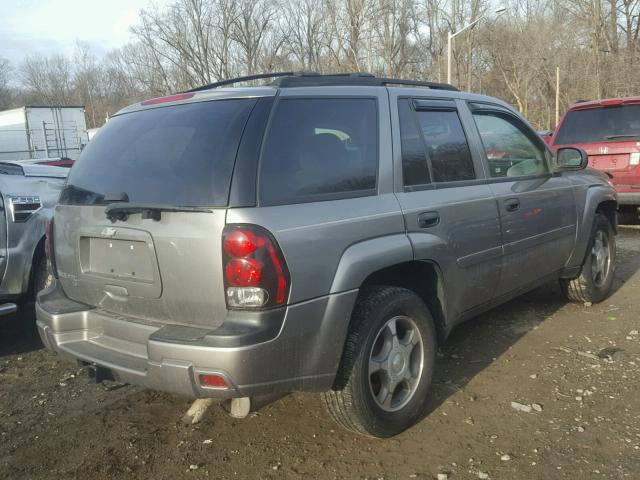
179	155
600	125
320	149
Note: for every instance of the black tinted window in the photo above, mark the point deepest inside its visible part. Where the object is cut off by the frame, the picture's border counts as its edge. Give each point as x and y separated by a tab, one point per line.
179	155
319	149
446	146
600	124
509	150
415	170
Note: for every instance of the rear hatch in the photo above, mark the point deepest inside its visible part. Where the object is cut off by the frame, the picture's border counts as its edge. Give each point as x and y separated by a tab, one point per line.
611	137
158	258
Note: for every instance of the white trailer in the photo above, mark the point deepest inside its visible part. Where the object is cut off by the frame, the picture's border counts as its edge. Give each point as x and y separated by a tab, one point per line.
42	132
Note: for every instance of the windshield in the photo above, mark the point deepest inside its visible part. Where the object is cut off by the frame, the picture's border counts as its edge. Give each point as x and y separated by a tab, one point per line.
176	155
600	125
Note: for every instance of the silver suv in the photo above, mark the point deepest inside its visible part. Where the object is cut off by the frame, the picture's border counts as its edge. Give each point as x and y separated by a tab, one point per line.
321	233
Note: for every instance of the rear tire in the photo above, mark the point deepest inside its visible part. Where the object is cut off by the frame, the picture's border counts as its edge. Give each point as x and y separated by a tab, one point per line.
596	276
382	383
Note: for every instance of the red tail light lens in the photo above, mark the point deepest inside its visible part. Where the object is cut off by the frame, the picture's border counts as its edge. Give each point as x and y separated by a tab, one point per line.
213	381
48	248
241	243
255	272
243	272
170	98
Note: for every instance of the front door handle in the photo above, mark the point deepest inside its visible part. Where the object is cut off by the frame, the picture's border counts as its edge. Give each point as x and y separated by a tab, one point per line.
428	219
512	204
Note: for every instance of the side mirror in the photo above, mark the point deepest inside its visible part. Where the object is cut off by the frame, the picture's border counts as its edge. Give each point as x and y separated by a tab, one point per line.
571	158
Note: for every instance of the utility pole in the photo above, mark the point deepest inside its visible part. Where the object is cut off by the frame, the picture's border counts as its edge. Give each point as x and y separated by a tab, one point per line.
451	36
557	95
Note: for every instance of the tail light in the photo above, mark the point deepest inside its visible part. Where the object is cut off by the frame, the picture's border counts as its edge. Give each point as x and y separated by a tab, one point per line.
170	98
634	158
48	249
255	272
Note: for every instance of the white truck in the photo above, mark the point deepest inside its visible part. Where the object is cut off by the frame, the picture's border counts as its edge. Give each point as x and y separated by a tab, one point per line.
34	132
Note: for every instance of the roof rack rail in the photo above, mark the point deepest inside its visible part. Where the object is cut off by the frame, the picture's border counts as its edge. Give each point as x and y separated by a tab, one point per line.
315	79
354	79
249	78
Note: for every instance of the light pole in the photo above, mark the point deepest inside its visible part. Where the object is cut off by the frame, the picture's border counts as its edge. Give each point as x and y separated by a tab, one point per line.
455	34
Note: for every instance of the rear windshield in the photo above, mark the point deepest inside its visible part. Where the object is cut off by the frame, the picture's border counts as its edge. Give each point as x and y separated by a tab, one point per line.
600	125
178	155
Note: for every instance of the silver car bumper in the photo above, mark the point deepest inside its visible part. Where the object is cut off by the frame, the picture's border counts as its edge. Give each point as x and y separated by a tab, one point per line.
628	198
296	348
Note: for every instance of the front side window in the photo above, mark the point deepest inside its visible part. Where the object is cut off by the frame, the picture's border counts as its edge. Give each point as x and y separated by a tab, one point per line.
508	149
320	149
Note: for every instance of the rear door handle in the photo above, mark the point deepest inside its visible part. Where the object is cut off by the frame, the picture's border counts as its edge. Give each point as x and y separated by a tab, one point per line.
428	219
511	204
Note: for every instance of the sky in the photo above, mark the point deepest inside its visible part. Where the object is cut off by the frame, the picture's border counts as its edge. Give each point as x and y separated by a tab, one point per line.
53	26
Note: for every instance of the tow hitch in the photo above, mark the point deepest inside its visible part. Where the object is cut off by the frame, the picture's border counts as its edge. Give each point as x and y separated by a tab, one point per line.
97	374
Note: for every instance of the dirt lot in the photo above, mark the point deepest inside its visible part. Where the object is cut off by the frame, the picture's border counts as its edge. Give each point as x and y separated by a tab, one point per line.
577	364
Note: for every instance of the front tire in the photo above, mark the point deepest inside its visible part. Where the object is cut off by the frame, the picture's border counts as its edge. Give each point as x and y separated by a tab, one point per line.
385	373
596	276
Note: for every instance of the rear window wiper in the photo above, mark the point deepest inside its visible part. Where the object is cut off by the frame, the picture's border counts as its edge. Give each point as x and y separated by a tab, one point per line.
121	211
630	135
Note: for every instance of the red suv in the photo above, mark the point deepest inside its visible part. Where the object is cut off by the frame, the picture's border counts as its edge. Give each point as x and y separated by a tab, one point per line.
609	131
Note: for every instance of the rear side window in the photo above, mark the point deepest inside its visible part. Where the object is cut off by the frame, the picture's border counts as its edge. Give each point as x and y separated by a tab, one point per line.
600	125
447	146
179	155
320	149
434	146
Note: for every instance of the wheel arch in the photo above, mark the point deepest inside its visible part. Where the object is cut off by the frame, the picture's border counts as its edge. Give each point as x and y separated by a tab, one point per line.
609	208
598	200
389	261
38	254
425	279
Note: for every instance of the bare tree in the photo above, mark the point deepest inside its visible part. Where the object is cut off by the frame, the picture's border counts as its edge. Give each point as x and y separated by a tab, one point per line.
49	77
305	30
5	93
250	30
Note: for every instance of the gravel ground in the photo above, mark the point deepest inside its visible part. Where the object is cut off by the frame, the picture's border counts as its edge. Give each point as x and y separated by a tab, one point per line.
535	389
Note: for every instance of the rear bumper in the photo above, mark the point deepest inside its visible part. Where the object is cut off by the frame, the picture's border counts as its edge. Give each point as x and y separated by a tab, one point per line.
296	348
629	198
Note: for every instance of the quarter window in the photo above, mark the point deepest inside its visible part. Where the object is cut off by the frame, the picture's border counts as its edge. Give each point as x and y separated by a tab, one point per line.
320	149
434	146
415	170
508	149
